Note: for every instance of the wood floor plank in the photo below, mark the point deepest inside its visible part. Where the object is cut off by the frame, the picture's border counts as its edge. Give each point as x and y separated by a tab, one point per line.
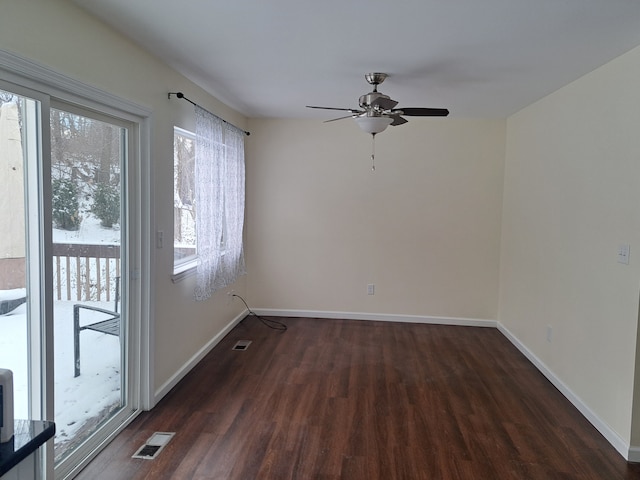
339	399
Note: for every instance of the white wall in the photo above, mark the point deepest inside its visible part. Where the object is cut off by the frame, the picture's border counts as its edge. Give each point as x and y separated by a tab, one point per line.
57	34
571	196
424	228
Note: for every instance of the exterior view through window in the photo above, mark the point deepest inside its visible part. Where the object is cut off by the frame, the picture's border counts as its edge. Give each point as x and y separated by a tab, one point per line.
86	169
184	212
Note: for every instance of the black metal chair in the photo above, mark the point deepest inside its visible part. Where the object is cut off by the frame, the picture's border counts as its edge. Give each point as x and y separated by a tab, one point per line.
7	306
110	325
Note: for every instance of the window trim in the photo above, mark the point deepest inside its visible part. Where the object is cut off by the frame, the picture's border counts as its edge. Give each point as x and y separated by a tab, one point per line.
185	270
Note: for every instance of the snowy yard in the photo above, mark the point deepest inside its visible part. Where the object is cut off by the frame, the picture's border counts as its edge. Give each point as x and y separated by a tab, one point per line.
78	401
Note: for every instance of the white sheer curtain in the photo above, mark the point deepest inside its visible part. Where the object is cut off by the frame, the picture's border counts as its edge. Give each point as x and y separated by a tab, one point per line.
220	180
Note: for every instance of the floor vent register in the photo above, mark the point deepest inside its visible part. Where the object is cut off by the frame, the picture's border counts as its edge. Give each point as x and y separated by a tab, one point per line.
241	345
152	448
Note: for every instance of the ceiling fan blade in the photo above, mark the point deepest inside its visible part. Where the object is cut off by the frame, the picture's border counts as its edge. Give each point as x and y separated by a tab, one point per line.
384	103
339	118
423	112
352	110
397	120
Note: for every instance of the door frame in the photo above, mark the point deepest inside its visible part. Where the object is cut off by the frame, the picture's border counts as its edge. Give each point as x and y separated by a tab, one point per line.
25	77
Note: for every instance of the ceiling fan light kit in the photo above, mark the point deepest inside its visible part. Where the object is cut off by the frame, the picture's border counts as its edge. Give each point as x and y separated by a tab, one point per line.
373	125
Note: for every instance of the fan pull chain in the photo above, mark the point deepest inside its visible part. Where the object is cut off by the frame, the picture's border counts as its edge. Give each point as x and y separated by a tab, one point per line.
373	152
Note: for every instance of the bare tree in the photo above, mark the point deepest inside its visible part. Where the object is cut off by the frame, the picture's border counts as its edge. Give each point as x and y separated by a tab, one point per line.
184	182
87	152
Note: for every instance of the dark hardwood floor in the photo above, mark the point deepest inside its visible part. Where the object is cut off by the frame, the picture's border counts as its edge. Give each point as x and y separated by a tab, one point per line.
331	399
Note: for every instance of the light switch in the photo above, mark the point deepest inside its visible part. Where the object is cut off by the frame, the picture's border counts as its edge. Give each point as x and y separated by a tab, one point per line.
623	253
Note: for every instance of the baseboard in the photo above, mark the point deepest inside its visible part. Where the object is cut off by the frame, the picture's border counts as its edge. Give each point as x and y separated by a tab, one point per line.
381	317
193	361
634	455
612	437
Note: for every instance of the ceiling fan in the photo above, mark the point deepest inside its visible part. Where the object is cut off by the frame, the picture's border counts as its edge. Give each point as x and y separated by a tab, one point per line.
377	110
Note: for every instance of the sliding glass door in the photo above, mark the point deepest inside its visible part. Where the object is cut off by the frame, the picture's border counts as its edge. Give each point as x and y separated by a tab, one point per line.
65	270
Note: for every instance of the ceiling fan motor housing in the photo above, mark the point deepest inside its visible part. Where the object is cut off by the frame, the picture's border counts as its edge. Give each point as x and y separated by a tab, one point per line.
368	101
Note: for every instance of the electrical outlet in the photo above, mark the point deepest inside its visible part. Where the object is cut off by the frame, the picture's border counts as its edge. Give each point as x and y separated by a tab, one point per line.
549	333
230	296
371	289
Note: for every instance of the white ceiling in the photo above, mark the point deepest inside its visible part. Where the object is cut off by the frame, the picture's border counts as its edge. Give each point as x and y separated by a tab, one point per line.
479	58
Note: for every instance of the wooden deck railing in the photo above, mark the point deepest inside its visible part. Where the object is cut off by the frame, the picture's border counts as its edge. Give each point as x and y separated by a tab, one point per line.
84	272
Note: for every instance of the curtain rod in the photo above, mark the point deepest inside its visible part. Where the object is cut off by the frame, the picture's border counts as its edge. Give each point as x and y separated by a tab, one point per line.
181	95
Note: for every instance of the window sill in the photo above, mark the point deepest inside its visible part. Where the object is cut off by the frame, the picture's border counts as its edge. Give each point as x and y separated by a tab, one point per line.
183	271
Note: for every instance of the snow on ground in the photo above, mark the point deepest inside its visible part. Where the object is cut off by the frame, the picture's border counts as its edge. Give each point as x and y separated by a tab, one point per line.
77	400
90	232
13	294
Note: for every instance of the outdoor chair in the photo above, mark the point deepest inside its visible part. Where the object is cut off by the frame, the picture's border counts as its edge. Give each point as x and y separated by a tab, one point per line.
7	306
109	325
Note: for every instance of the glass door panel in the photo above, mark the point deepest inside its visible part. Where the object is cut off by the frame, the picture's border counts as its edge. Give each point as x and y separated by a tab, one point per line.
19	253
87	165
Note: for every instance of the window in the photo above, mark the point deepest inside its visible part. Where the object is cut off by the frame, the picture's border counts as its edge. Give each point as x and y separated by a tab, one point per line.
185	251
208	207
184	213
